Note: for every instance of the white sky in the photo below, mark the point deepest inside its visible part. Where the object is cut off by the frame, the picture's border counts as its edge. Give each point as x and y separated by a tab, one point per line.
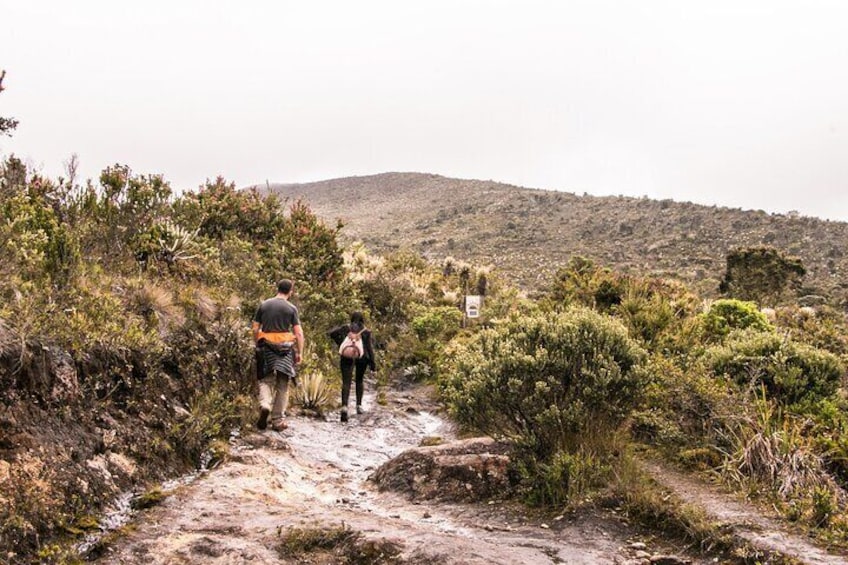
729	102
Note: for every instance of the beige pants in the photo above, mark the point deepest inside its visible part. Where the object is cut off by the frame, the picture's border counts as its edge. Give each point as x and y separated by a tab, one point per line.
274	395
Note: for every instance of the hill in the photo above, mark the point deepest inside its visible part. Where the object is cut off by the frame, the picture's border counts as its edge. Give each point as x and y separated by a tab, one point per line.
531	232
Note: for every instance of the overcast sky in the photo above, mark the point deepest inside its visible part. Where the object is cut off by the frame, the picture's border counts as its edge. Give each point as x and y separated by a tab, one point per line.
735	103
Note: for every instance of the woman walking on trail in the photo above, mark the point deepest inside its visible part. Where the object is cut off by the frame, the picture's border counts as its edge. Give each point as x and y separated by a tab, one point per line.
356	351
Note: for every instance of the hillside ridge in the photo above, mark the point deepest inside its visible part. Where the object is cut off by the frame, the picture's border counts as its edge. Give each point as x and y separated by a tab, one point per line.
530	232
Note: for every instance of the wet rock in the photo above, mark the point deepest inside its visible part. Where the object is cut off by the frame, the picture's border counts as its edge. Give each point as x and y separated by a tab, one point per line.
669	560
471	469
207	547
268	440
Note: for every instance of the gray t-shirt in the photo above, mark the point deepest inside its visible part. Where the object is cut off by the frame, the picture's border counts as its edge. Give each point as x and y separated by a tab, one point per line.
276	315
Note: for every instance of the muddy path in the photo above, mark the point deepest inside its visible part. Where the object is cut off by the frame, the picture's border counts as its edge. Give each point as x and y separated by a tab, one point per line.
315	475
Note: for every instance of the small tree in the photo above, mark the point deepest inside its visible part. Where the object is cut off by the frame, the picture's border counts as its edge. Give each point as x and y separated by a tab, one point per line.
7	125
761	274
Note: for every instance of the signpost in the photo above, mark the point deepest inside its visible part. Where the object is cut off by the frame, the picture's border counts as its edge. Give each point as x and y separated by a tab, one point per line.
472	306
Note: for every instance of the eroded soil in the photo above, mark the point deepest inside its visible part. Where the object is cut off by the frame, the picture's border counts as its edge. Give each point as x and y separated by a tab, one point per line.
315	475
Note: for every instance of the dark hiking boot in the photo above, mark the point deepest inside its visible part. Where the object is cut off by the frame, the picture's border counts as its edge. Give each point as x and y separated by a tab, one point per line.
263	419
359	409
344	415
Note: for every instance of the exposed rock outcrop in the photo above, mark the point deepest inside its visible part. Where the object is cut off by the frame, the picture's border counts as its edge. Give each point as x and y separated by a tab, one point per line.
464	470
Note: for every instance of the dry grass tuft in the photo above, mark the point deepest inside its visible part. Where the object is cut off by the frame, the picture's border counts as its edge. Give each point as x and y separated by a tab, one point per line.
649	504
338	544
770	449
157	304
205	306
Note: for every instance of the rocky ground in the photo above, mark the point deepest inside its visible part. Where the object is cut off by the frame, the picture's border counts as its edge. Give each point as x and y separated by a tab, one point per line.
324	492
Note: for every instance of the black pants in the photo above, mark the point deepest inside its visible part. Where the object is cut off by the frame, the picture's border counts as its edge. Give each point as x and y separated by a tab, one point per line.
347	366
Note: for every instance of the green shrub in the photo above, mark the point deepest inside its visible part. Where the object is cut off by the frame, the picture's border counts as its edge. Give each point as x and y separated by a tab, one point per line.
547	381
726	315
823	327
791	372
35	241
581	282
685	407
212	415
646	316
442	322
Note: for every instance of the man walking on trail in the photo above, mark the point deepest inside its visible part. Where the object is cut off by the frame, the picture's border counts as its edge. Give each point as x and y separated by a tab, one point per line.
279	347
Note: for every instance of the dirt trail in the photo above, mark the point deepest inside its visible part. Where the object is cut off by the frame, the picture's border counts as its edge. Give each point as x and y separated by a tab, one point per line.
743	520
315	474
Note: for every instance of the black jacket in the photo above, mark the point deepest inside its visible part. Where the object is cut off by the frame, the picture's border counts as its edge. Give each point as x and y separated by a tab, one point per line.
338	334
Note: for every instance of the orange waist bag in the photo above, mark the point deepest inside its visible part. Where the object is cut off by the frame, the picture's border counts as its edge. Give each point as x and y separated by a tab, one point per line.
276	337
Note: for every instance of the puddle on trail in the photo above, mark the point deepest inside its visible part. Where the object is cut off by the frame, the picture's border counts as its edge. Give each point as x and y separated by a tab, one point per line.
315	474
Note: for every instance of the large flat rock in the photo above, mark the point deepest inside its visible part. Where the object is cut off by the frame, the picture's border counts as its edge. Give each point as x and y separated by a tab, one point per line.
463	470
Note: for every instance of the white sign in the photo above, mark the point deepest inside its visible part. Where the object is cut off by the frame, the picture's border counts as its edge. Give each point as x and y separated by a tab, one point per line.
472	306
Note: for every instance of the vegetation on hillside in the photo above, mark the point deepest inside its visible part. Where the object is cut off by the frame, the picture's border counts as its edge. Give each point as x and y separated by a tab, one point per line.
124	351
608	360
530	233
125	356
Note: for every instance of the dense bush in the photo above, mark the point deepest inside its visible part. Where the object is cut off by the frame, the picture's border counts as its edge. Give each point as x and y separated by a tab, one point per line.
762	274
656	311
546	379
822	327
441	322
582	282
790	372
555	383
726	315
685	409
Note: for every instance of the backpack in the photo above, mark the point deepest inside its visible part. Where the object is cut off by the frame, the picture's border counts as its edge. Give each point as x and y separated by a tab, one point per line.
351	347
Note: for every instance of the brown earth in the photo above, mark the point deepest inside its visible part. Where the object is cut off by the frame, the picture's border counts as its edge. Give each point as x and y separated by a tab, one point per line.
314	477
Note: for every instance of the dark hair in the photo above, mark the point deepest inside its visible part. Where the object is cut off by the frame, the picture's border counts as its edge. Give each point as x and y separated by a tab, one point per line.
357	318
284	286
